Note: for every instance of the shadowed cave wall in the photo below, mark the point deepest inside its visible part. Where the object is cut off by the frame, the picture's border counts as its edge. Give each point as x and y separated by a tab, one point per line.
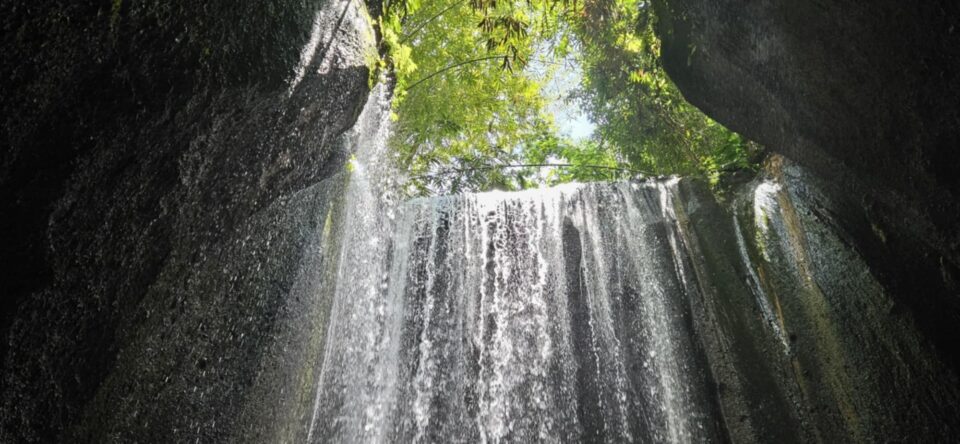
162	176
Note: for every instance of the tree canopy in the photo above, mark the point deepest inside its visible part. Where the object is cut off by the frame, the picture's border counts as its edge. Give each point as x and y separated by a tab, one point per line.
471	114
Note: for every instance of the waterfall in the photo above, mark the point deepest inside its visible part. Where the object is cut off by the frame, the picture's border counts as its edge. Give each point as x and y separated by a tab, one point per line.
350	395
545	315
641	311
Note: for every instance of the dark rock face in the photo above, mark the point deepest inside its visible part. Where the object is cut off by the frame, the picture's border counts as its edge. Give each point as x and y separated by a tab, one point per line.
160	181
805	342
865	96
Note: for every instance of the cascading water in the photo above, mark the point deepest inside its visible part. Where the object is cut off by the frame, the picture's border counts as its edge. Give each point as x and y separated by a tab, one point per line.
546	315
351	386
622	312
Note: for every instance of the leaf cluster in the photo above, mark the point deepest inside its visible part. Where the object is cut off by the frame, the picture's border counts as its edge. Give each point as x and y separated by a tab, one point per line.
464	101
638	110
470	113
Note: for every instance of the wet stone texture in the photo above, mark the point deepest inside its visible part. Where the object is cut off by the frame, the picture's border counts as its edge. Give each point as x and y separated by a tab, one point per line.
860	364
166	173
805	342
864	96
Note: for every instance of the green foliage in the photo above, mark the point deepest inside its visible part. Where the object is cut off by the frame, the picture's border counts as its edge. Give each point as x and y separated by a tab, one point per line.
638	110
460	101
470	114
582	161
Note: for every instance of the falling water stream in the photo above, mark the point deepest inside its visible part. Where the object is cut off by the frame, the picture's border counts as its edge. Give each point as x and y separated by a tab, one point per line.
635	311
546	315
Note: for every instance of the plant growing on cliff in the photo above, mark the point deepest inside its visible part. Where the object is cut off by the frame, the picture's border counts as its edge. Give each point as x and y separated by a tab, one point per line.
638	110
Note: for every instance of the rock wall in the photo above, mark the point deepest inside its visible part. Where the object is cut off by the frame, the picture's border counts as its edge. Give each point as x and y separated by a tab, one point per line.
805	342
863	95
165	174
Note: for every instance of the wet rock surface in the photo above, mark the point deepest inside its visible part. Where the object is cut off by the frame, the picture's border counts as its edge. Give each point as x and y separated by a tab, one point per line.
805	341
864	96
164	170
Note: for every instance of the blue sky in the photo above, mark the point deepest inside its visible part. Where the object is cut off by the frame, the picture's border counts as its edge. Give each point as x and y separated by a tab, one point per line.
571	120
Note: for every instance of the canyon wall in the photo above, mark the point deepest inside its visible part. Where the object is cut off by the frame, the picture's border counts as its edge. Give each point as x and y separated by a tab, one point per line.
166	174
865	97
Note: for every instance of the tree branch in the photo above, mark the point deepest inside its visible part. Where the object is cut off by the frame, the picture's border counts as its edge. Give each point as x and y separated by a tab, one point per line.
453	66
427	21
